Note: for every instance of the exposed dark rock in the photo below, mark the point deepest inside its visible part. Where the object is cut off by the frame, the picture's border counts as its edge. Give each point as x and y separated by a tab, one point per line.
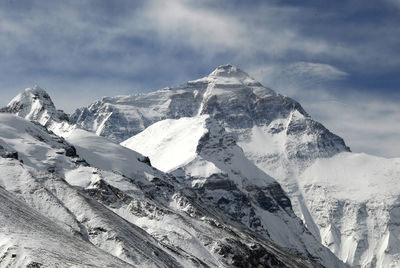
145	160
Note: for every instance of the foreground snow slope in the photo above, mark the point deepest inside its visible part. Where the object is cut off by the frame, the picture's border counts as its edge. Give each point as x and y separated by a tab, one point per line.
200	151
275	133
128	209
42	186
28	239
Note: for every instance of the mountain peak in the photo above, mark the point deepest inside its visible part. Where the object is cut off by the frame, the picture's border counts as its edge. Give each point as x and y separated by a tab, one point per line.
36	90
32	95
228	70
228	74
35	104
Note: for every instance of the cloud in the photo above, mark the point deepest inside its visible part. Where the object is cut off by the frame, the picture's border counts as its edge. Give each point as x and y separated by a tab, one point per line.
367	123
396	3
317	70
292	78
200	27
266	30
219	29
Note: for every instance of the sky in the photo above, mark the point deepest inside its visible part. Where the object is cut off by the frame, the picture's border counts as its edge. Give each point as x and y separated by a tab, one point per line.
339	59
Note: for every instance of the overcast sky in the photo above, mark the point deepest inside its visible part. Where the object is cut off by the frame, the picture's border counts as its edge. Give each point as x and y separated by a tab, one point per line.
339	59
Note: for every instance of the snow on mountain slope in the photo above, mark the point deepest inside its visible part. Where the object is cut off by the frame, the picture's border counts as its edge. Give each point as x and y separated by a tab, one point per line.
218	168
184	228
349	194
35	145
274	131
101	116
55	198
165	154
28	239
42	188
36	105
97	151
101	153
192	227
173	144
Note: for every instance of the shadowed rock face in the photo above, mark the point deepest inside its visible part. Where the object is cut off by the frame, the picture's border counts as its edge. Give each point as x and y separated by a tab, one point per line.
8	153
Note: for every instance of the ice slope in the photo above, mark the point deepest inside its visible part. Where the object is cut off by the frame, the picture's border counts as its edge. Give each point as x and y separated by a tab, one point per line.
28	239
274	131
211	161
184	228
354	200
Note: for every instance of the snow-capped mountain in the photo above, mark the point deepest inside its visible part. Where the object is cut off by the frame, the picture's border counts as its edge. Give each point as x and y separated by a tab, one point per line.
99	193
36	105
281	139
200	152
273	130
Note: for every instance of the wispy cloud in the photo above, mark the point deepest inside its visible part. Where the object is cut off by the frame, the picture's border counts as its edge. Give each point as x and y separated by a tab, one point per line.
368	123
396	3
214	28
317	70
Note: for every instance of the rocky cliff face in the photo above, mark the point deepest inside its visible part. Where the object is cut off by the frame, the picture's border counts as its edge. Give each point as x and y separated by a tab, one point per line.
281	139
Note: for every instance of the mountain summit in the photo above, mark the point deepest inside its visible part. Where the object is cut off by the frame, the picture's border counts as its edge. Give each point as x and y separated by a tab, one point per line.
35	104
229	70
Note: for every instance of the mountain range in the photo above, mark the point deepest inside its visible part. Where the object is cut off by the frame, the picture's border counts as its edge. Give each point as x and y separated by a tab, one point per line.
218	172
